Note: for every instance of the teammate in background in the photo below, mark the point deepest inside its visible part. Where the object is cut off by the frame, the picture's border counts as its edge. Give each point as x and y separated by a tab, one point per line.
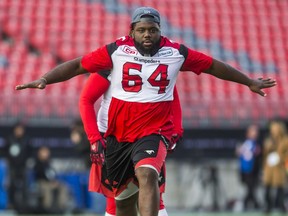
18	150
80	142
248	153
88	97
144	68
54	194
275	154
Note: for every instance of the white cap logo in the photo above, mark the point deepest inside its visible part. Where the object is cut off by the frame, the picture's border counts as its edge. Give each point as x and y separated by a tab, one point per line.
147	11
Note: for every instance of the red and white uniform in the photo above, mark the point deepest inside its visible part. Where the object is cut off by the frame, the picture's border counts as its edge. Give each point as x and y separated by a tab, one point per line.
142	87
93	89
145	84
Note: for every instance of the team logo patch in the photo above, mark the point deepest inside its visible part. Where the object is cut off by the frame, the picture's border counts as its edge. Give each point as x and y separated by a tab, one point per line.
150	152
128	50
166	52
147	11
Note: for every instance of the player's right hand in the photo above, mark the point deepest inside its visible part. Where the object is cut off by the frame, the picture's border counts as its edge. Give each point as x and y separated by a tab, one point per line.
258	84
39	83
97	151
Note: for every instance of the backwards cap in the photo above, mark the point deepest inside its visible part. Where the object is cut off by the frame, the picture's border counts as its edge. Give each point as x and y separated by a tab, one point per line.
149	13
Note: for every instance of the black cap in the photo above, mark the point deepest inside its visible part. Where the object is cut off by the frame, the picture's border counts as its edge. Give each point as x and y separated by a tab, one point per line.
149	13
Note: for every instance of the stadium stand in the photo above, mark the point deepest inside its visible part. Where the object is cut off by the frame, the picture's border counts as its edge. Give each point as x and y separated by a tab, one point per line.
251	35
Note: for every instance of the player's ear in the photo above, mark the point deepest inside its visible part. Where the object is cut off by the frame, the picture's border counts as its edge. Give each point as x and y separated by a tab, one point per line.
159	28
131	33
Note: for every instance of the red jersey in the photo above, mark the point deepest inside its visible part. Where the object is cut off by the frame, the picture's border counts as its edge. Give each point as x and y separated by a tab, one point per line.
96	86
141	86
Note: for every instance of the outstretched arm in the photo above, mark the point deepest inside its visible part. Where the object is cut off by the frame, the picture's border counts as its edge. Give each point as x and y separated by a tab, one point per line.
226	72
60	73
94	61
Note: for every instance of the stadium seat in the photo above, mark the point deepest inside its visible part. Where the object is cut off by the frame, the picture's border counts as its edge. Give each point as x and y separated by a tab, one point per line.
250	35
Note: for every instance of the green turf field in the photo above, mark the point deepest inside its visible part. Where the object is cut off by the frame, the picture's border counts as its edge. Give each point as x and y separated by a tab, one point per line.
223	214
172	214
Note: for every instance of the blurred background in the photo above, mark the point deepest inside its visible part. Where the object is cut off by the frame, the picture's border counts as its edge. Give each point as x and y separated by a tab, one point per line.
215	169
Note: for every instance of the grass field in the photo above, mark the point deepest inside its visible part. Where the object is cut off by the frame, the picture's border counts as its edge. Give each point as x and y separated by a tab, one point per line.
172	214
180	214
224	214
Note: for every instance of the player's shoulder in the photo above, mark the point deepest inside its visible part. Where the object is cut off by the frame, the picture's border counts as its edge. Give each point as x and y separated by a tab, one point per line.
166	42
125	40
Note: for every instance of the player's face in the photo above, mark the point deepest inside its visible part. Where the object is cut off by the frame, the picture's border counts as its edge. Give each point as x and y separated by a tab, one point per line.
146	35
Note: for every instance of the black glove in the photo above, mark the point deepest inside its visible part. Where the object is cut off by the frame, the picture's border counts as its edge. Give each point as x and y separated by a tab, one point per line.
97	151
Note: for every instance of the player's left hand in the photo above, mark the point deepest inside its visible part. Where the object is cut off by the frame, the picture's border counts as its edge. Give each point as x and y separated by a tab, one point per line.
39	83
258	84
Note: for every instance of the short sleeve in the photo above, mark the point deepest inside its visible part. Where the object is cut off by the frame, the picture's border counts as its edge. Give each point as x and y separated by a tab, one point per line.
97	60
196	61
